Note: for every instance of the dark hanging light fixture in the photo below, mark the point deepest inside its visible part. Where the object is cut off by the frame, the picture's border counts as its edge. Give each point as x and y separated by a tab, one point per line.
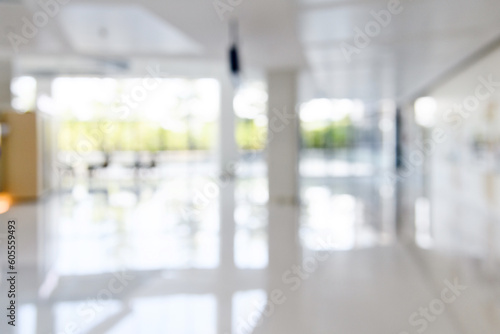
234	59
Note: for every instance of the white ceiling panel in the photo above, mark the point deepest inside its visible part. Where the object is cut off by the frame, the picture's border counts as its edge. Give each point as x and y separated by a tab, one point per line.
419	44
122	29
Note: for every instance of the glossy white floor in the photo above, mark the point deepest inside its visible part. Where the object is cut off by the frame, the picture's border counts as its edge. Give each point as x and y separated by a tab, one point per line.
122	259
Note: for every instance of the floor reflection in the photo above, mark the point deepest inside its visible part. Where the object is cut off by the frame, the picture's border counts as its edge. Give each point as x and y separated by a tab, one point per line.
137	230
183	314
350	211
128	257
251	223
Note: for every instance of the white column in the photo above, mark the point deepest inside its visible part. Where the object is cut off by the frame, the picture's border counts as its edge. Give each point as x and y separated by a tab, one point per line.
227	160
283	158
283	225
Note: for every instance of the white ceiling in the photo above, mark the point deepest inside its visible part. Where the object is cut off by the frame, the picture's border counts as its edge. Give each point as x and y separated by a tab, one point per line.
420	44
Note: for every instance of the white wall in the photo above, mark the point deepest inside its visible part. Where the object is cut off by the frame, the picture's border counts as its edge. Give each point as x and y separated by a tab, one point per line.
464	182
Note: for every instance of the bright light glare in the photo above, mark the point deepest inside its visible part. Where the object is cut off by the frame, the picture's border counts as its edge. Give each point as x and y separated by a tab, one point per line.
45	104
341	109
250	101
23	93
425	111
319	110
174	126
172	100
316	110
